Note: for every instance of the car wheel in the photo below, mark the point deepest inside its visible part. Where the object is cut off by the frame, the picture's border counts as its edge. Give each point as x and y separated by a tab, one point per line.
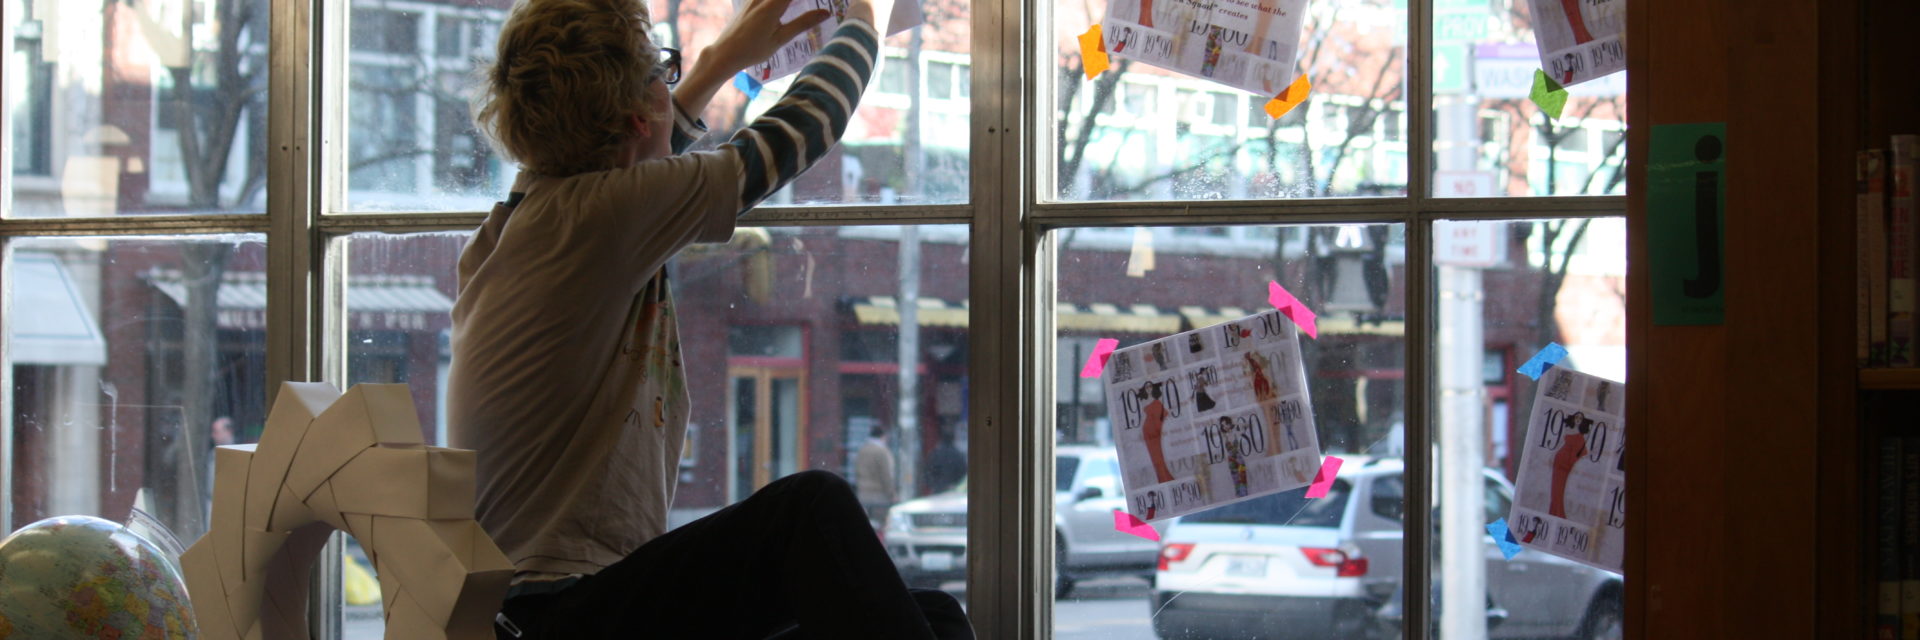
1603	620
1062	585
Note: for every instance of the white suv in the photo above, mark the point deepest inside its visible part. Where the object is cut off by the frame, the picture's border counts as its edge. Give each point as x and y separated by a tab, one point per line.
927	537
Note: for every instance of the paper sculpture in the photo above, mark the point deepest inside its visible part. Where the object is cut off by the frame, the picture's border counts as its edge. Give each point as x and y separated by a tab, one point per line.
1245	44
1580	39
1212	416
352	463
790	57
1570	498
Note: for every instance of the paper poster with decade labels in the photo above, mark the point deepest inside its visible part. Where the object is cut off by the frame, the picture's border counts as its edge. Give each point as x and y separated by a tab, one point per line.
1212	416
1571	495
1245	44
1580	39
793	55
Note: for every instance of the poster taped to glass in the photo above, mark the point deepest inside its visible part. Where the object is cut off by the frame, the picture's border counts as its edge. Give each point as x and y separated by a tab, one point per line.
1245	44
792	56
1571	493
1211	416
1580	39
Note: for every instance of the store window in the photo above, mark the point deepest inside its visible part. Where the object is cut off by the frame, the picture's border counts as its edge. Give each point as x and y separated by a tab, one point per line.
1158	203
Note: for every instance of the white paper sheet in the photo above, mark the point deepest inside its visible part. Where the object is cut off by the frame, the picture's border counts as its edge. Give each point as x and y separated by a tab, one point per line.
1570	496
794	55
1212	416
1245	44
1580	39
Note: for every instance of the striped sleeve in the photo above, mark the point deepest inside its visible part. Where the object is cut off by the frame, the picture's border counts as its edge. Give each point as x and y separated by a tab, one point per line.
686	129
797	131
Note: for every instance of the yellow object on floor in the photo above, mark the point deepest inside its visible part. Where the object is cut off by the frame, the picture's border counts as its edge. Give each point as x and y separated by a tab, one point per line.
358	583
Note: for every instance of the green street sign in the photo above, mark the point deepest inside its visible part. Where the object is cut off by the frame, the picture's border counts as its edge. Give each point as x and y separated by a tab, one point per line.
1450	71
1473	26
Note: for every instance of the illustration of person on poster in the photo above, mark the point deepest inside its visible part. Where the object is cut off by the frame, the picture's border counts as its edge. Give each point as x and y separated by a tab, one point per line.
1153	431
1202	401
1257	371
1570	453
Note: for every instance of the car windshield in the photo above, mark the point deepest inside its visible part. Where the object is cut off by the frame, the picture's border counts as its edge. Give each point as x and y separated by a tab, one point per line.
1063	476
1291	508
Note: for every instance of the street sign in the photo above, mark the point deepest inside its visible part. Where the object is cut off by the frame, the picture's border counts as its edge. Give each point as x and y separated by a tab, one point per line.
1477	244
1464	184
1462	26
1450	69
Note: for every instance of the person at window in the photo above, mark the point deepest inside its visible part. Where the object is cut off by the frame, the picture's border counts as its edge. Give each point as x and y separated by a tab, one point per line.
567	377
873	475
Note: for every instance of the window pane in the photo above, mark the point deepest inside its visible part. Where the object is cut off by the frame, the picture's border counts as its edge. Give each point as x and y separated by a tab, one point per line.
410	143
1505	289
800	335
1130	133
1198	277
412	146
399	297
1489	139
761	320
131	359
100	123
905	145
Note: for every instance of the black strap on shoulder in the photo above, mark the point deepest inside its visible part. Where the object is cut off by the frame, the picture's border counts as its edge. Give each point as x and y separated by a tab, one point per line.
514	198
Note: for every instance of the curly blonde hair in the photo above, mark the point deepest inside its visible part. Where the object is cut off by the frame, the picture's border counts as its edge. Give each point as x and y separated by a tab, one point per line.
564	79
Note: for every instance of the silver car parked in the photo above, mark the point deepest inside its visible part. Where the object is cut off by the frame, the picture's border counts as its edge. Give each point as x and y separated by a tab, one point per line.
927	537
1282	566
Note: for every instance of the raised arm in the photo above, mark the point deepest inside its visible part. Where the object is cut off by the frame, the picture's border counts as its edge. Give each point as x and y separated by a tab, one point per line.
797	131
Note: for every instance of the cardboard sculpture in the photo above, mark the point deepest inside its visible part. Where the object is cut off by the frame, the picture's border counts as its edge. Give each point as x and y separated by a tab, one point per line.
353	463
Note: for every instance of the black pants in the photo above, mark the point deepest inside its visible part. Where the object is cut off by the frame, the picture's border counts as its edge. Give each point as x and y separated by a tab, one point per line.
797	552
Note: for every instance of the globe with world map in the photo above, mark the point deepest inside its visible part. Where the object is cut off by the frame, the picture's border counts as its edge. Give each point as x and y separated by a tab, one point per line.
85	577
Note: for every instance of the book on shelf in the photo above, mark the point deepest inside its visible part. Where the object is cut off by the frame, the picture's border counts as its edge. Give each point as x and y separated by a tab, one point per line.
1888	522
1871	258
1910	538
1903	224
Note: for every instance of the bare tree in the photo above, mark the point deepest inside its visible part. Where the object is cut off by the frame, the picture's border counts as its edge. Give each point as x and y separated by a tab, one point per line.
215	93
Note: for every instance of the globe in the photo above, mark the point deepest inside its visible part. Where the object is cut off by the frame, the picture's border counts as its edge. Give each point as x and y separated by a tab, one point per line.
84	577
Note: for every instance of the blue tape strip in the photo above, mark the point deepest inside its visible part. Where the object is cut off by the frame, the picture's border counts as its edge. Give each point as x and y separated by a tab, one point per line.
747	85
1549	355
1501	536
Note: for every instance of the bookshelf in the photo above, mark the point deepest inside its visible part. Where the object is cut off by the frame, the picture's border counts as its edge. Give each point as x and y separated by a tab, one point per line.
1889	380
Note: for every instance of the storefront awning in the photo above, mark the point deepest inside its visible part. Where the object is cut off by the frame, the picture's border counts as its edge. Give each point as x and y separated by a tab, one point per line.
934	312
1109	318
374	302
49	322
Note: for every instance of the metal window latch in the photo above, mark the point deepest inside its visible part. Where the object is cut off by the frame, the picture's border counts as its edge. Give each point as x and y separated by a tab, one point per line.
501	619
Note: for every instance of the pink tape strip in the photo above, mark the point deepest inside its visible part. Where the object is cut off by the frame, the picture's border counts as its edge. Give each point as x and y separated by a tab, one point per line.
1124	522
1329	469
1097	361
1293	309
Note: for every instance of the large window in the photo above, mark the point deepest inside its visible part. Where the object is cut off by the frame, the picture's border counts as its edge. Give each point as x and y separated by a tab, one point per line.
175	250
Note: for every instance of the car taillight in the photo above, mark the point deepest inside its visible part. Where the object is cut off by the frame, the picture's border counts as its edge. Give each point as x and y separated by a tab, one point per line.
1344	566
1174	552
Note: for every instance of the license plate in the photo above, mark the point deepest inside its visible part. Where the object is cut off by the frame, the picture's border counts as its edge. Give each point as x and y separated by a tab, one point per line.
936	561
1247	566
